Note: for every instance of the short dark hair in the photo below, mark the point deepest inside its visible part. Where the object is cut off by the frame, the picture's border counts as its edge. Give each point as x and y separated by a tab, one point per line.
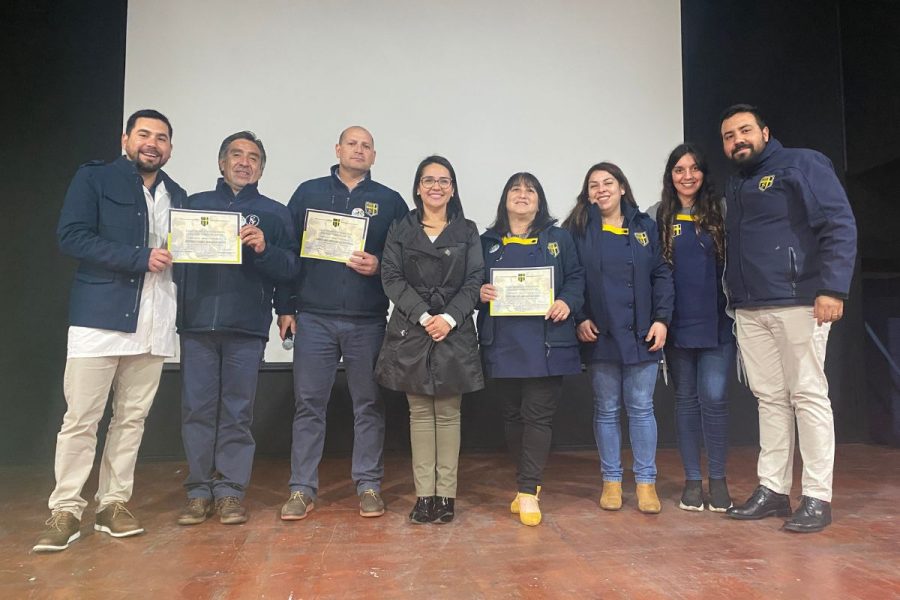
742	108
542	219
147	113
243	135
454	207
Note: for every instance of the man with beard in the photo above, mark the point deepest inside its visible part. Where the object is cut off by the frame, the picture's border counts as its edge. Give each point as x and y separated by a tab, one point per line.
114	220
791	247
224	314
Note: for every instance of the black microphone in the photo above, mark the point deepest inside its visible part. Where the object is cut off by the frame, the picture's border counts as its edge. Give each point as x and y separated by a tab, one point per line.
288	342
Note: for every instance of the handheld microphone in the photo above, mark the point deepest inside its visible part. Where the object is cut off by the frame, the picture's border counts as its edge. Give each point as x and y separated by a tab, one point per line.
288	342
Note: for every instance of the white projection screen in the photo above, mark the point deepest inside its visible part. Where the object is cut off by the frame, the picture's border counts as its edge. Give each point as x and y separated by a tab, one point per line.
495	86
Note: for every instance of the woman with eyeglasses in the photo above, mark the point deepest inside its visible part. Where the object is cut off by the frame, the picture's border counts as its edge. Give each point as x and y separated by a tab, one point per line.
700	349
432	270
527	356
628	305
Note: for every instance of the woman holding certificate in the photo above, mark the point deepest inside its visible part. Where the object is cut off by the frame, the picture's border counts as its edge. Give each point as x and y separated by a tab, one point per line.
628	304
700	351
432	270
527	332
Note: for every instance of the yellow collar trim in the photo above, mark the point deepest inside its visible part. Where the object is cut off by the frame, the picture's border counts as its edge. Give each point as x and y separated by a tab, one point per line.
615	230
511	239
683	217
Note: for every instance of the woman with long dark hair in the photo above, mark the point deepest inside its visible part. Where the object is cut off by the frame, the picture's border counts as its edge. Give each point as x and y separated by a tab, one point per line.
432	270
628	305
700	349
527	356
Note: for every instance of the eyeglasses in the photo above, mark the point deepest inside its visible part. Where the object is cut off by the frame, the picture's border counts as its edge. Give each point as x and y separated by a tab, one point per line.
443	182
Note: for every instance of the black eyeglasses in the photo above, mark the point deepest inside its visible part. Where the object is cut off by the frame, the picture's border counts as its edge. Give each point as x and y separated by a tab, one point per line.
443	182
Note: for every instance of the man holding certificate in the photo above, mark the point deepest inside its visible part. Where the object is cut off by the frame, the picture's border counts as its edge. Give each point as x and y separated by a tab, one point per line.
339	310
224	314
121	324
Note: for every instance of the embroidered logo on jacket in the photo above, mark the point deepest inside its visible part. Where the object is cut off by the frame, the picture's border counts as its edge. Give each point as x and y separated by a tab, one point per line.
641	237
676	229
766	182
249	220
358	212
371	208
553	249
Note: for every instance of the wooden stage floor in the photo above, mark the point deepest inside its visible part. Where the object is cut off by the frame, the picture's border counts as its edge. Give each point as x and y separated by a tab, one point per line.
579	551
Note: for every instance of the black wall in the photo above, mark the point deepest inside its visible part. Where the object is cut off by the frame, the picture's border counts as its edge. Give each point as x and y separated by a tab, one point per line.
63	104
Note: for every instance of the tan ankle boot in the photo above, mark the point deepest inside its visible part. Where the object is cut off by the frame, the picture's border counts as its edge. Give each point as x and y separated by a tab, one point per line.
648	501
611	497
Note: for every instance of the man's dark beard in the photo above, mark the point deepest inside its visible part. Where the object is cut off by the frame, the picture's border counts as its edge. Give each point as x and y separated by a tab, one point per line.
747	159
145	167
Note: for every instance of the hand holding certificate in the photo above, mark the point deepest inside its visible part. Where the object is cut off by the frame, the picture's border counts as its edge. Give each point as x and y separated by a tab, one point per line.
333	236
209	237
522	292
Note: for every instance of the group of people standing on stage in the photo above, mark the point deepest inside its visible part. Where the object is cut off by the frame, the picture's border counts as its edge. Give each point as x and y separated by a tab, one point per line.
627	285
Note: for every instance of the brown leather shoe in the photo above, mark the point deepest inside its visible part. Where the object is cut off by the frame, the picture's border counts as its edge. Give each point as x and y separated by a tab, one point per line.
196	511
230	511
611	497
63	528
116	520
648	501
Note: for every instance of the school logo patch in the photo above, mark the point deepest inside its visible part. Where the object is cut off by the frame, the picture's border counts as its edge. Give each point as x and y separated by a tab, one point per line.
766	182
553	249
371	208
676	229
641	237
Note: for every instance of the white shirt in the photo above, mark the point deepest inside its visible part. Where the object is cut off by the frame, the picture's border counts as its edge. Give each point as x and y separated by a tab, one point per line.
155	332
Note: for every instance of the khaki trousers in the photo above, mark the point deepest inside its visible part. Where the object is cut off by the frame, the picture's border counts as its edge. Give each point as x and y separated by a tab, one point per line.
434	433
87	382
783	351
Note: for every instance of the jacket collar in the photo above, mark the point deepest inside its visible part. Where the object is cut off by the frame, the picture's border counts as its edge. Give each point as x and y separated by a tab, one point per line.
337	180
128	168
248	191
759	162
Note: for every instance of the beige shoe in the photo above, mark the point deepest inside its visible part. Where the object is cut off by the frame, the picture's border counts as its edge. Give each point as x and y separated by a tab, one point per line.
611	497
648	501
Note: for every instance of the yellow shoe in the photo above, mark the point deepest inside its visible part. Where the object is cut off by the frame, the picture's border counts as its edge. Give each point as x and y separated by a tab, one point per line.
529	509
611	497
514	505
648	501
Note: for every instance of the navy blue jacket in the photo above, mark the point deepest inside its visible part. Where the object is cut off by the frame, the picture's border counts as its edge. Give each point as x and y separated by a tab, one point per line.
238	298
104	224
790	232
327	287
558	251
654	294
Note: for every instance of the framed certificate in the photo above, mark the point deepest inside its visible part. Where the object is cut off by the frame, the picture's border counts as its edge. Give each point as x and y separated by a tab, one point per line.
332	236
207	237
522	292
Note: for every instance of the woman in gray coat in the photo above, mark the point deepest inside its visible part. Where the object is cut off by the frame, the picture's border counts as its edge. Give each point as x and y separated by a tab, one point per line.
432	269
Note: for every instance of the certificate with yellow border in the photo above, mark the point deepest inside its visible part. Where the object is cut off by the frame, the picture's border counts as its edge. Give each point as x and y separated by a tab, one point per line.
205	237
522	292
332	236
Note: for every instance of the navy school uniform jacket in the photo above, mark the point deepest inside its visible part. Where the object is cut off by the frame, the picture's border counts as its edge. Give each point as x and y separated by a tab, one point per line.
104	224
332	288
698	319
238	298
791	235
650	278
556	249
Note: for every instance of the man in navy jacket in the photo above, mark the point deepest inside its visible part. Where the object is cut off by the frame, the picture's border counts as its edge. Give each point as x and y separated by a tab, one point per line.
224	314
121	324
791	247
339	310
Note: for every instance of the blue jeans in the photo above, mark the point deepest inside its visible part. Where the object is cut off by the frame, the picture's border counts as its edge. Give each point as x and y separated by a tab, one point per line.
219	372
700	377
615	384
320	342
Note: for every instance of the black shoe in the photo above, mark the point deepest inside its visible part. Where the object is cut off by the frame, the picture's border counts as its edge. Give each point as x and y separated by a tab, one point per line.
763	503
812	515
719	498
422	511
692	496
443	510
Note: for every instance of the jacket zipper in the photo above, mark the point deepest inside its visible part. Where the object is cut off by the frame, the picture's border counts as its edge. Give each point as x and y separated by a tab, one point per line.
140	287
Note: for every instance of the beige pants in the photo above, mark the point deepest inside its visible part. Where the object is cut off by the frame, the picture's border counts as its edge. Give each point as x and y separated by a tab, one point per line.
87	382
783	351
434	436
